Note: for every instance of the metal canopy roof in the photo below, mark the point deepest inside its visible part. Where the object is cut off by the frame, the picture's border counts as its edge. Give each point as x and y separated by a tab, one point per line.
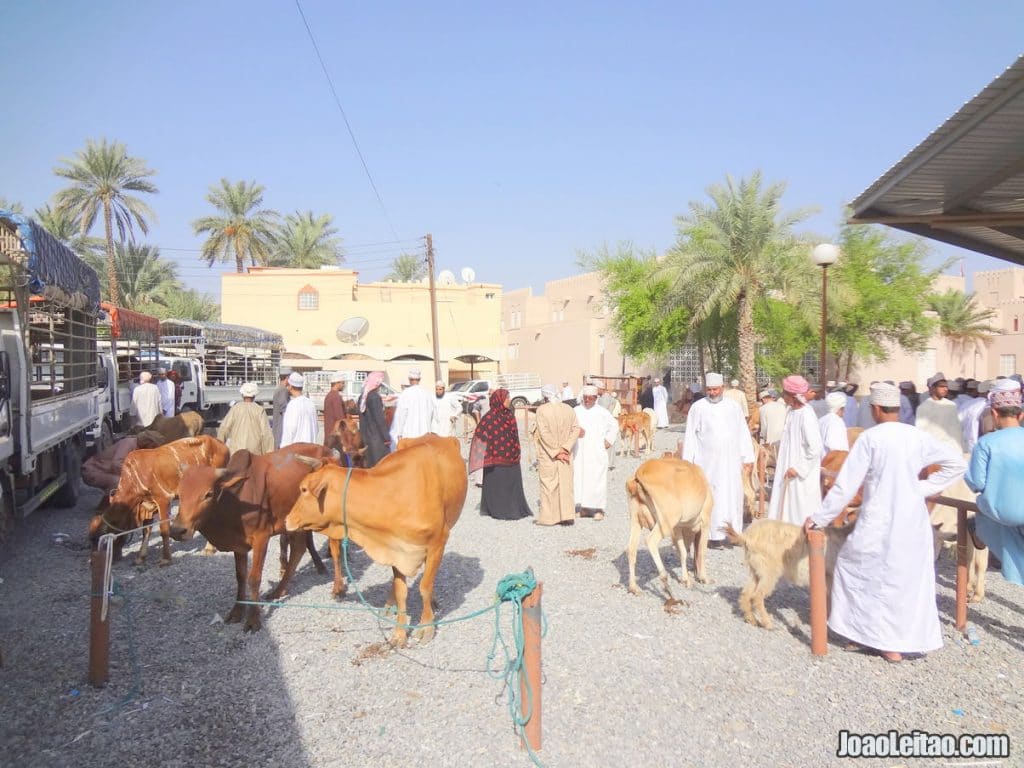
964	184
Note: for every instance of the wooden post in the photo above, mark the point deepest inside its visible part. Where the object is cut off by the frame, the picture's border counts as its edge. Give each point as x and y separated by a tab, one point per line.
99	628
530	700
819	609
433	312
961	568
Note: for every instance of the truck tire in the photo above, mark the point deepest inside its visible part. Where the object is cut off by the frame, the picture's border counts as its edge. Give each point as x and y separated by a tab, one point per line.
68	494
520	402
105	438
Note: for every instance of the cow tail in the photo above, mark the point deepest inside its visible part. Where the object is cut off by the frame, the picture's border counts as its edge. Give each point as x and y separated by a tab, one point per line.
735	536
648	509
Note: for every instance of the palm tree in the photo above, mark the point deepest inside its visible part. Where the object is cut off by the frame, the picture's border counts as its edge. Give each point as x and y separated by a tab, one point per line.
962	323
68	229
11	206
407	269
102	175
188	304
145	279
306	241
244	231
731	253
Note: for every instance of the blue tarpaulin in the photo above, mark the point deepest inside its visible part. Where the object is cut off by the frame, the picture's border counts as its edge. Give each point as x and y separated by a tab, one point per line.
55	272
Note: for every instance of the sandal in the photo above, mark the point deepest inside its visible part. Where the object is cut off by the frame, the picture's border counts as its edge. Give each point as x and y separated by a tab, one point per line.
893	657
599	515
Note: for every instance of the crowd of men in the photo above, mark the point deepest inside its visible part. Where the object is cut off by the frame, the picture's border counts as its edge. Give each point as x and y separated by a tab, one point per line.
883	595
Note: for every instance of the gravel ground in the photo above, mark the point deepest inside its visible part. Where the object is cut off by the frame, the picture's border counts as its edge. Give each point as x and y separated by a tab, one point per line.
626	682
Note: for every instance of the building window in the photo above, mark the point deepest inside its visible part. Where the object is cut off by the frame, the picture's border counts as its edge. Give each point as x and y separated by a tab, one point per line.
488	295
513	351
1007	365
1016	324
309	298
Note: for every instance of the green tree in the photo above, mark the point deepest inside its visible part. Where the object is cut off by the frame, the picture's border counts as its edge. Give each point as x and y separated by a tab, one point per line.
642	320
146	280
12	206
877	298
66	228
244	230
731	253
102	176
962	323
188	304
407	269
306	241
785	337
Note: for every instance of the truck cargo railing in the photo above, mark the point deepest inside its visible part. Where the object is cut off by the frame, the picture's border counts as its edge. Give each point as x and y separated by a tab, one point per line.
132	336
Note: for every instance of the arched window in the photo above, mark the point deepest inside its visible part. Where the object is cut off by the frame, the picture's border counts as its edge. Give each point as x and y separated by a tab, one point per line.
309	298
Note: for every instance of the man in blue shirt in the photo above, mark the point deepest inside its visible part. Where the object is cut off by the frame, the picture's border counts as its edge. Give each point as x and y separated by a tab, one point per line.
996	473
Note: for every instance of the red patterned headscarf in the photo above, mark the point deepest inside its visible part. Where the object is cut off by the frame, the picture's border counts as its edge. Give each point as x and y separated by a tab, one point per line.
373	380
496	440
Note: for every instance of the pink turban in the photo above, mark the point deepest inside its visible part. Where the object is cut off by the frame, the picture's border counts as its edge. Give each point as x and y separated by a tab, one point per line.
795	385
1005	394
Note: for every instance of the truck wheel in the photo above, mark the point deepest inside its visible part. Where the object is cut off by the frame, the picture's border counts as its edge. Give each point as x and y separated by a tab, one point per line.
106	437
68	494
519	402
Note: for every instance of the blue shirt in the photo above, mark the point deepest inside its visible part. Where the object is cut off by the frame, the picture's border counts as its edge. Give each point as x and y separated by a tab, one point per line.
996	472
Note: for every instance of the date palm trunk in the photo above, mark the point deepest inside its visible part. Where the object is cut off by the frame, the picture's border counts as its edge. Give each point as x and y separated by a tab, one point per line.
113	288
745	342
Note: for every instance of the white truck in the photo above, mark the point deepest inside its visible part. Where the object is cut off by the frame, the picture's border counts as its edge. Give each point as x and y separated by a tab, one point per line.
213	360
318	384
49	303
523	388
124	339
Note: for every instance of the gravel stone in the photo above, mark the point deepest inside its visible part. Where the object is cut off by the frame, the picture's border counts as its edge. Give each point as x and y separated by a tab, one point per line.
625	681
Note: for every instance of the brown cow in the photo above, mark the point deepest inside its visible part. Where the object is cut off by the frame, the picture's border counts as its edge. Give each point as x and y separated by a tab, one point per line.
238	508
400	513
830	466
347	440
669	497
185	424
633	427
149	481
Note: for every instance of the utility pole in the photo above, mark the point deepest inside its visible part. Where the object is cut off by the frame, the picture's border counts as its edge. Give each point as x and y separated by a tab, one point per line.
433	308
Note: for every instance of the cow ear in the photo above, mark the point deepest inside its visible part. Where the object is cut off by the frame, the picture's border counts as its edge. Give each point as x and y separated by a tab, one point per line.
232	481
316	483
239	463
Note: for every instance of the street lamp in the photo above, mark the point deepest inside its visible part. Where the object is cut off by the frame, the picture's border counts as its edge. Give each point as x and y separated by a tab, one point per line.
824	255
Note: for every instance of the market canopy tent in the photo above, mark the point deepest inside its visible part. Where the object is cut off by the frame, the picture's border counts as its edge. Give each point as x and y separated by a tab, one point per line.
964	184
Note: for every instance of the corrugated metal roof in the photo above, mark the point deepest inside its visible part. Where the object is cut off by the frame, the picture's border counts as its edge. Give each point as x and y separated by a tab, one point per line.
964	184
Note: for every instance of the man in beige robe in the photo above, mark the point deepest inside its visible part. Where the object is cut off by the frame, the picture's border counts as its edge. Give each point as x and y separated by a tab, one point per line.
555	431
246	425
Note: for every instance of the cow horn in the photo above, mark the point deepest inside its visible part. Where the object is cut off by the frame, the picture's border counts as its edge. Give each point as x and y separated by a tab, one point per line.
219	473
309	461
335	454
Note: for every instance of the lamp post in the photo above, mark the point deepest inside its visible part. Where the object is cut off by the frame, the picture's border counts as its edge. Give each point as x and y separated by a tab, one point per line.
824	255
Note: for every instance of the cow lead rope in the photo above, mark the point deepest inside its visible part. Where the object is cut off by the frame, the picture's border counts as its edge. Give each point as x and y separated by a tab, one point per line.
511	589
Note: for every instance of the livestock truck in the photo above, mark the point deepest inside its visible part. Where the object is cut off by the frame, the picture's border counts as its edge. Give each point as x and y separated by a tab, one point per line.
49	389
214	359
125	339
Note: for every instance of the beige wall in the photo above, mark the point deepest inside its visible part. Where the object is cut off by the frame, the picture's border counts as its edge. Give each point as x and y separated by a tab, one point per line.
562	334
1000	290
398	315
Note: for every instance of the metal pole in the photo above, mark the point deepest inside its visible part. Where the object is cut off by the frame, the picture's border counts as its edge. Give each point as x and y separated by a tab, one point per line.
822	375
961	568
433	311
99	628
819	604
530	699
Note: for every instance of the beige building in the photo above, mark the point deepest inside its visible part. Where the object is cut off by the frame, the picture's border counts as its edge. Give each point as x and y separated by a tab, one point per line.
331	321
1000	290
563	334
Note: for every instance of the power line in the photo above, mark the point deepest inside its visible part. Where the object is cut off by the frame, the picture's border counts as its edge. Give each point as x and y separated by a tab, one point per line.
344	117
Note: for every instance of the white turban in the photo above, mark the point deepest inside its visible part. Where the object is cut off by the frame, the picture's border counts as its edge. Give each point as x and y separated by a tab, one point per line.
145	377
836	400
296	380
734	383
885	395
714	380
414	374
339	376
249	389
589	391
550	392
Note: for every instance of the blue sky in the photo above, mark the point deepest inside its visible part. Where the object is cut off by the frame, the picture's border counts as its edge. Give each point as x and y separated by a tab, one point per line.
517	134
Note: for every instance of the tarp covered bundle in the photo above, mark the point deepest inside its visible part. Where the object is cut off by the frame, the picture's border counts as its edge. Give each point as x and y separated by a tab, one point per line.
54	271
128	324
220	333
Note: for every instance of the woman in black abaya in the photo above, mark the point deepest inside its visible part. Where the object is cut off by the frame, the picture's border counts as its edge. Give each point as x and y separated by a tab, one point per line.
495	448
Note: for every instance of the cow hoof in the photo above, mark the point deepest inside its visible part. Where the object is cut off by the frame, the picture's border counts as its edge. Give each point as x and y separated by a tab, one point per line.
139	561
253	625
398	640
424	635
633	589
164	561
234	615
339	596
320	568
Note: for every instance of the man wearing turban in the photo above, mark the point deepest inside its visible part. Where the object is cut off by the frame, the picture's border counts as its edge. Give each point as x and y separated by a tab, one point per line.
555	430
833	428
796	492
717	440
883	590
938	416
598	430
996	473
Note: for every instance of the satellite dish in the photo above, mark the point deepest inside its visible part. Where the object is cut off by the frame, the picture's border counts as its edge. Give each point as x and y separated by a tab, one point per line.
468	275
352	330
447	277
